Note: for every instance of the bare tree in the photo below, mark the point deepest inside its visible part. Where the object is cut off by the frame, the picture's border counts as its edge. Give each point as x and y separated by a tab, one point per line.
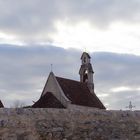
18	104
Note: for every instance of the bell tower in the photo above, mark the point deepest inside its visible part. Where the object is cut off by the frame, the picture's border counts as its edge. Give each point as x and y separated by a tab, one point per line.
86	72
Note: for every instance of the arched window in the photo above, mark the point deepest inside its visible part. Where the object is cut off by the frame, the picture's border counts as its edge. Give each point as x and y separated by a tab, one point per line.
85	76
84	60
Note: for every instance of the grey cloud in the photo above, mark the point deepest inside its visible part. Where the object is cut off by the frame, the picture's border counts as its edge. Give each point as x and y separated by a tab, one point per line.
35	19
24	71
120	100
104	12
117	69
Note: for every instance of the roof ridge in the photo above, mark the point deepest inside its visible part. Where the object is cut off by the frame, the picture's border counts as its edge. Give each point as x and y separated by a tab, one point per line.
68	79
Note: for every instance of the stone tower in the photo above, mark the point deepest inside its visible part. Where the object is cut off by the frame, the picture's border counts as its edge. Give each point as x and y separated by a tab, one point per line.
86	71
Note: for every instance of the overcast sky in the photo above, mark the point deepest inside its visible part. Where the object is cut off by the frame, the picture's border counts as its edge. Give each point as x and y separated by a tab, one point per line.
35	34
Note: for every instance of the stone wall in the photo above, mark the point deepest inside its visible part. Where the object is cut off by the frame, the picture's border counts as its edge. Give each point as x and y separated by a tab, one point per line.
69	124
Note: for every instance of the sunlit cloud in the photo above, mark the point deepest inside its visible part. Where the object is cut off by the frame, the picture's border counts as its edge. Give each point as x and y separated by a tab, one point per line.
120	89
118	37
92	25
123	88
7	38
103	95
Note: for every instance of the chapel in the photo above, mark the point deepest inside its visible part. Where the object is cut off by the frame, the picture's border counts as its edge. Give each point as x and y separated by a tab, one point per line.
61	92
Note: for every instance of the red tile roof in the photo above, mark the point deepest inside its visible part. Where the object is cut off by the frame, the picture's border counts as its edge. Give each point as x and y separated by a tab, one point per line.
48	101
78	93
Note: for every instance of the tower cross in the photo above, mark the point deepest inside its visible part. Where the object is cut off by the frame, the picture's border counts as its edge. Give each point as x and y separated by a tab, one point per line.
130	106
51	67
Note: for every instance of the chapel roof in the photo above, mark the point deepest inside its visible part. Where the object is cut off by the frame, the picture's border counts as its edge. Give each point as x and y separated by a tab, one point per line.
48	101
78	93
1	104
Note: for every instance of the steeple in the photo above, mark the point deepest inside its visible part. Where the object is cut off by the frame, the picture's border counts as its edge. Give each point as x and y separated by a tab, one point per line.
86	71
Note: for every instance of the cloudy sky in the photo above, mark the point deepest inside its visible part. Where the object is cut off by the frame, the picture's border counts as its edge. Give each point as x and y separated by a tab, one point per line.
35	34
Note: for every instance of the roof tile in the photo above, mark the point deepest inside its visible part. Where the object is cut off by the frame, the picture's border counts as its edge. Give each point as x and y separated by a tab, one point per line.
79	94
48	101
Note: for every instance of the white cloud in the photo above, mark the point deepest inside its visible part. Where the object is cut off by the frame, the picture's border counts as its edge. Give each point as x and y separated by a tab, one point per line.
118	37
122	88
112	25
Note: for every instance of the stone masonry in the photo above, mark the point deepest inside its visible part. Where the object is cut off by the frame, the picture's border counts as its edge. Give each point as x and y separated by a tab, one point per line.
69	124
